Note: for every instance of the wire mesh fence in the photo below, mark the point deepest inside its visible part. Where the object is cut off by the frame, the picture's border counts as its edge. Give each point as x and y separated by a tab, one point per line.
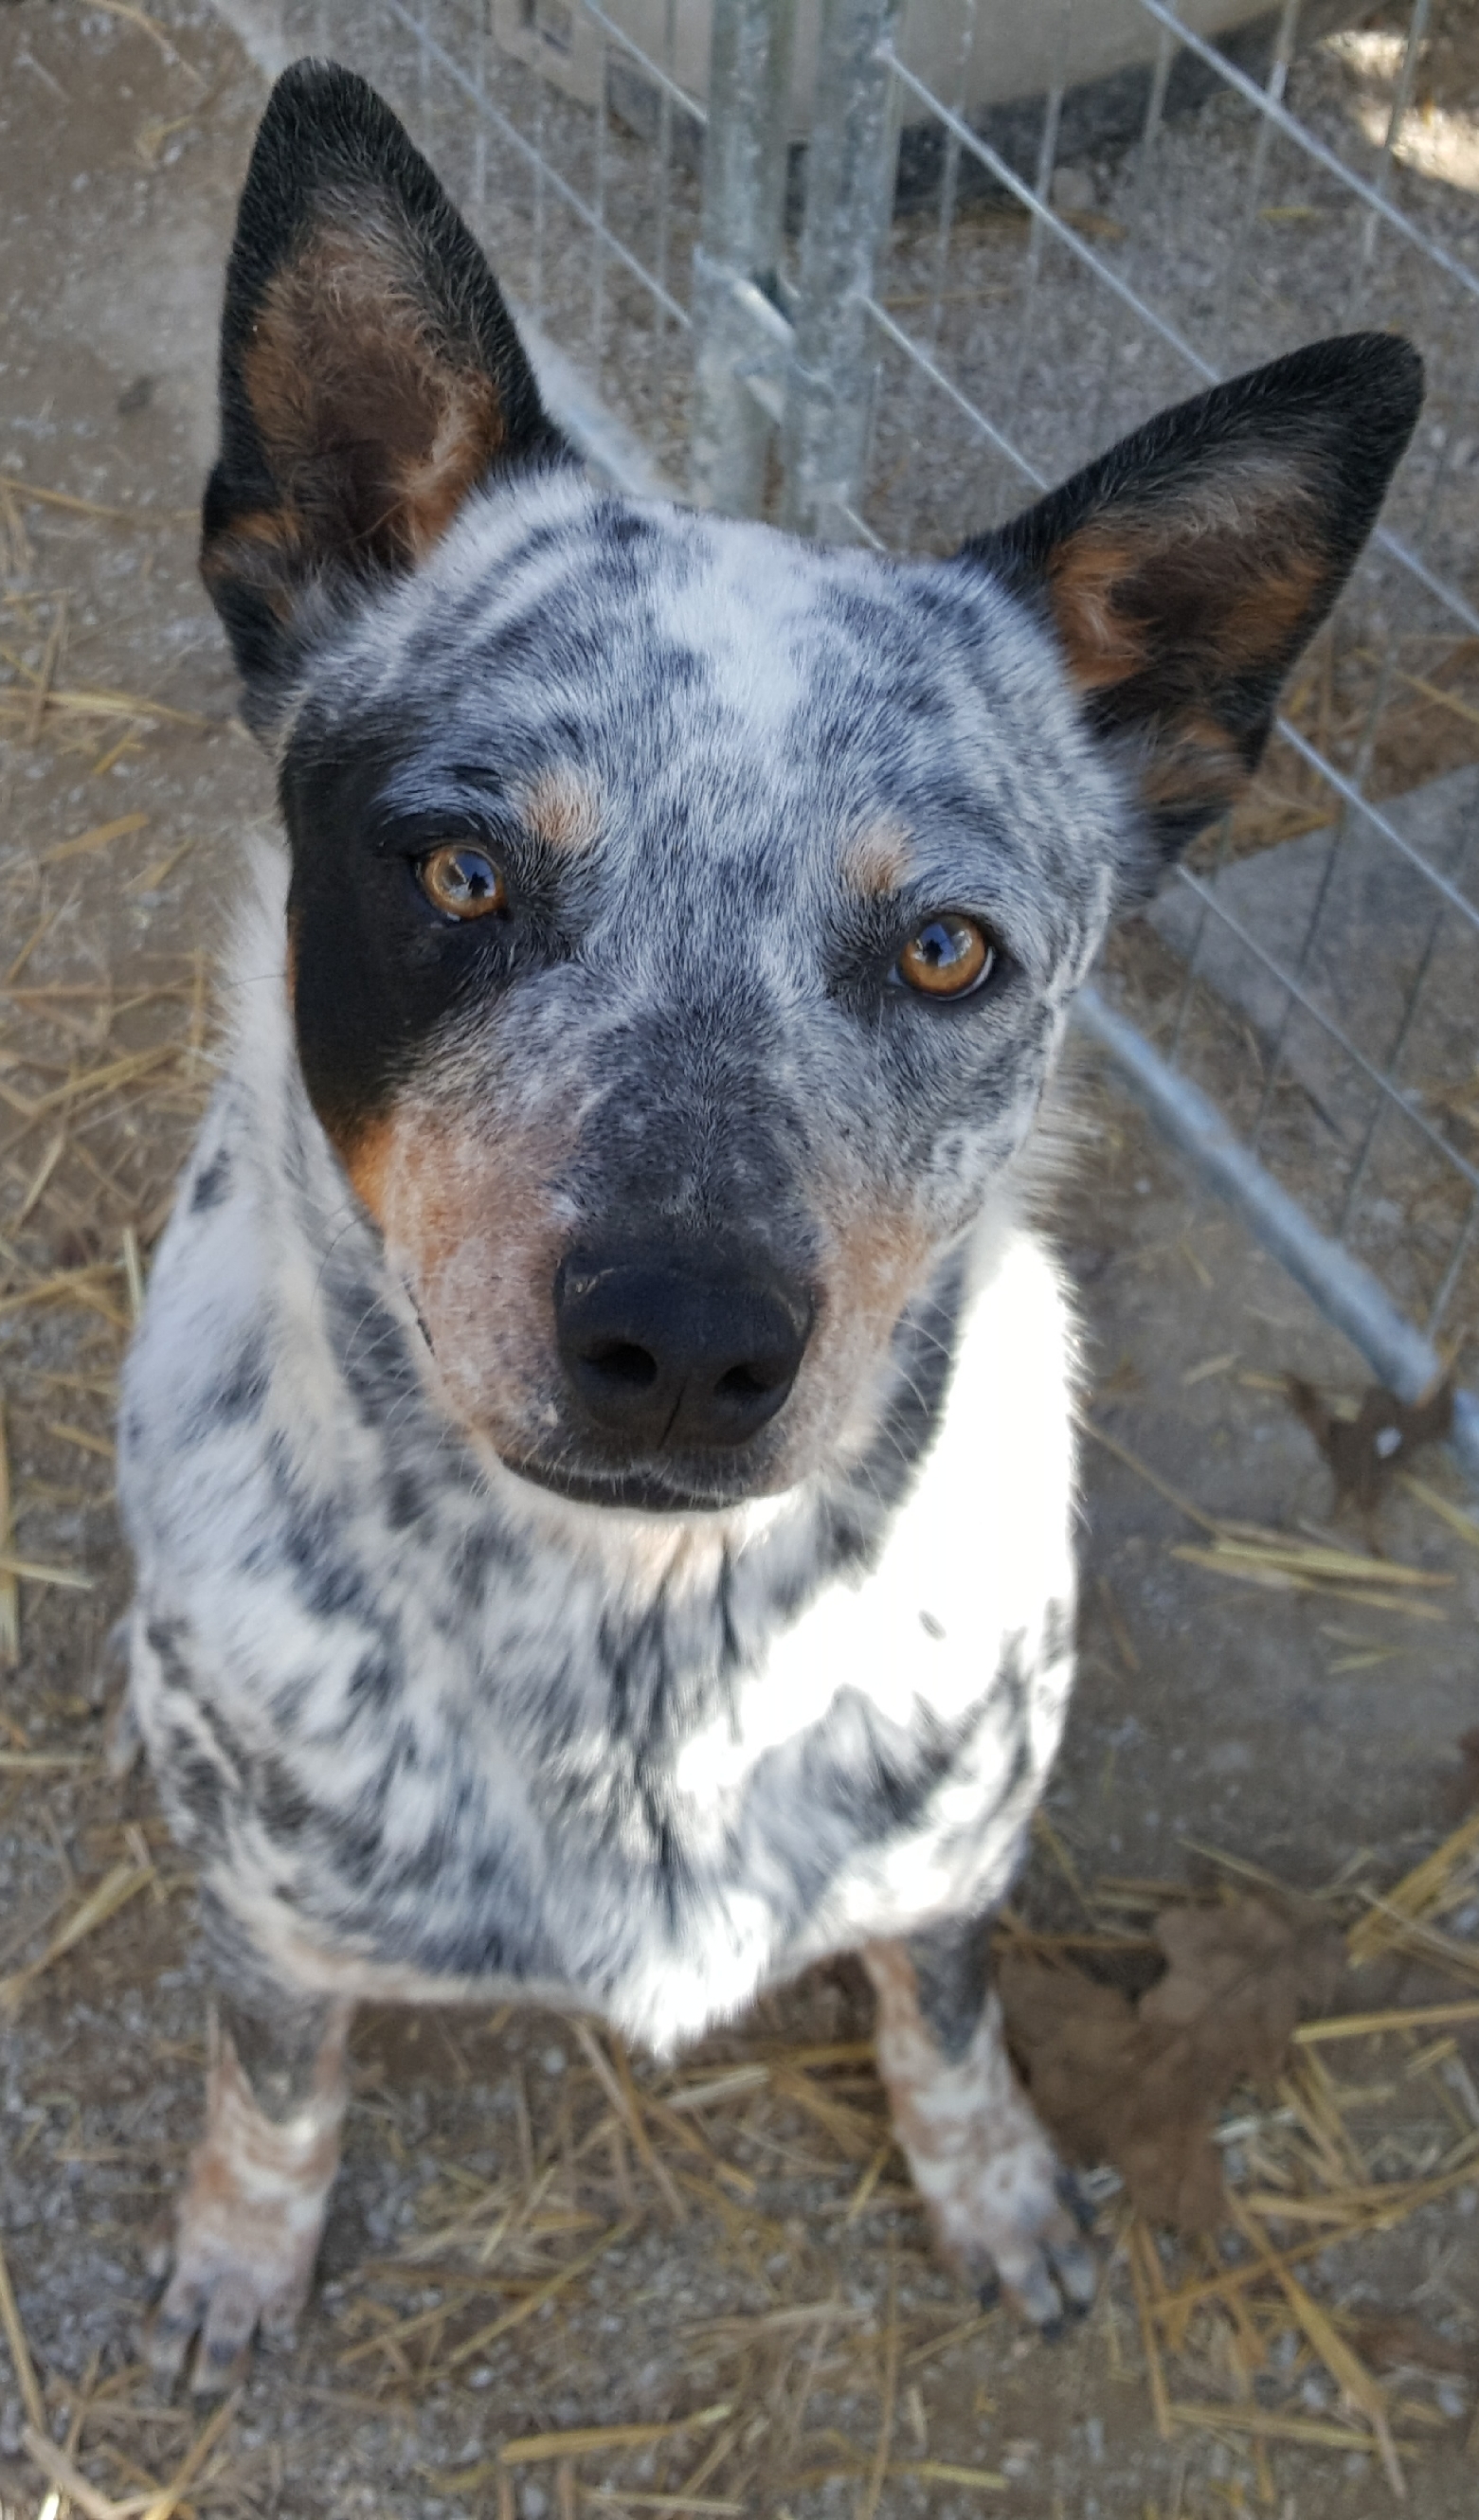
882	271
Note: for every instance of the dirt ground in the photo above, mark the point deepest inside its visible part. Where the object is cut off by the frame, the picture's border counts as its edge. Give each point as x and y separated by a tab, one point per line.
524	2244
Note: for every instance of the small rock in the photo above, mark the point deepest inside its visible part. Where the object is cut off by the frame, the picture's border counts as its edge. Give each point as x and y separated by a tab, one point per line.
1071	190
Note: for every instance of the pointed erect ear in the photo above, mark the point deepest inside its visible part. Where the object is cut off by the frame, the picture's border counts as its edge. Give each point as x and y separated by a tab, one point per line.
370	375
1185	569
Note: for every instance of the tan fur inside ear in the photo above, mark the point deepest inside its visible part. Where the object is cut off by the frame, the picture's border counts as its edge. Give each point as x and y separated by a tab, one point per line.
374	430
1193	592
1183	610
1085	576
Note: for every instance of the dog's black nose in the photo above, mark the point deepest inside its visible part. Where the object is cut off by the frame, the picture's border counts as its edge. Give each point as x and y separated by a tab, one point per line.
664	1354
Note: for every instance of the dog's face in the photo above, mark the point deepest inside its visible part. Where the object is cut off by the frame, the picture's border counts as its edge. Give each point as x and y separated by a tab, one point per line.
683	918
682	923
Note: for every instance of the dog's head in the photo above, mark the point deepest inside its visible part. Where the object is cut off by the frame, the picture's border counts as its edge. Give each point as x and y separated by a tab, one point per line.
683	918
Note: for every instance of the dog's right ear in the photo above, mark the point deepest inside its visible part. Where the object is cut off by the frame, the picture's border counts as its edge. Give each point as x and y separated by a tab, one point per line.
369	376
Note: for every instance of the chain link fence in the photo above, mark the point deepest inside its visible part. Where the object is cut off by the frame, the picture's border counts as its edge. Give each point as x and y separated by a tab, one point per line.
883	272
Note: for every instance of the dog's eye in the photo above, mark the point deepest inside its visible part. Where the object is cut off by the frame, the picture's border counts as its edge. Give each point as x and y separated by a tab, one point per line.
462	882
948	958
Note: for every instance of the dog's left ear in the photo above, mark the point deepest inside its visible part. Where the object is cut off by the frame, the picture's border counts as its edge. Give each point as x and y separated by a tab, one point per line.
369	376
1185	569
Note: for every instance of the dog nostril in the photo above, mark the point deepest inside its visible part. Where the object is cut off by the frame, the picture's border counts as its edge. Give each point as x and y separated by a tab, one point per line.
751	1381
620	1360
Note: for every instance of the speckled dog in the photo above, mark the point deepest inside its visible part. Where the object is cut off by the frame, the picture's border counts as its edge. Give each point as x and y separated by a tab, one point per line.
598	1448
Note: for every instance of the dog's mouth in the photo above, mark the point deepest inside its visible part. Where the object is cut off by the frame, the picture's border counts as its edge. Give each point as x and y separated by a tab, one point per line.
632	1491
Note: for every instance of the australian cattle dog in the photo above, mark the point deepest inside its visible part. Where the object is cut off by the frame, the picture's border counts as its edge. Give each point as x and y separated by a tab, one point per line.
598	1451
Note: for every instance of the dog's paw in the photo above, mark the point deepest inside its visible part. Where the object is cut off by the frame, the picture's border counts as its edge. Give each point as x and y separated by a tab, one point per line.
1008	2219
239	2267
247	2233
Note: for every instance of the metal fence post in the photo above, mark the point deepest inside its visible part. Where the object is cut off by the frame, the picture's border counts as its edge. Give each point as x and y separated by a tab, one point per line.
744	153
849	198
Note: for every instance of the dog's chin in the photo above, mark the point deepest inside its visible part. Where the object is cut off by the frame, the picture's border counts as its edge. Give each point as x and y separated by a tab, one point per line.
638	1491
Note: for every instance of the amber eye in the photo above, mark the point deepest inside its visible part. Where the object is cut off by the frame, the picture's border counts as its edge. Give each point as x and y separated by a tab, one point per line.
462	881
948	958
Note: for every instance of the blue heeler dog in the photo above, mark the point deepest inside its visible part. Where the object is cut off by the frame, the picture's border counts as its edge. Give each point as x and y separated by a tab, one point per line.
598	1451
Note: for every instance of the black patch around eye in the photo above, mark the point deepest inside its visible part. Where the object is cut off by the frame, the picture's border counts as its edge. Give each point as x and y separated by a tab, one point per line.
375	971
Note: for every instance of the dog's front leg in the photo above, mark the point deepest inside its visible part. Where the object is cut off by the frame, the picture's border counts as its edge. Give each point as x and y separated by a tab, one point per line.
999	2203
252	2213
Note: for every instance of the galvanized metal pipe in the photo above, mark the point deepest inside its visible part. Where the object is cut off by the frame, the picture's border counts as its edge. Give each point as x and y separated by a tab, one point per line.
745	152
849	198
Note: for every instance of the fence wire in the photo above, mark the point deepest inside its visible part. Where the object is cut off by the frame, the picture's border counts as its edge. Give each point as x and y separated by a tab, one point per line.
884	272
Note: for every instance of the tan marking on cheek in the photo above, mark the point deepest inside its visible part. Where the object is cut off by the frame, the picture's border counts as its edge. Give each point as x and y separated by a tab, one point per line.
881	1259
368	1158
875	861
873	1261
470	1229
564	810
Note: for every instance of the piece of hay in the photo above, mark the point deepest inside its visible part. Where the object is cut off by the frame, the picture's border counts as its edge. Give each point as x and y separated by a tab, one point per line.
1414	1895
68	2480
579	2442
535	2301
868	2501
112	1893
10	1587
1146	2283
14	485
167	2500
1369	2025
624	2497
19	2352
620	2089
1458	1521
98	838
1272	2427
35	708
32	1570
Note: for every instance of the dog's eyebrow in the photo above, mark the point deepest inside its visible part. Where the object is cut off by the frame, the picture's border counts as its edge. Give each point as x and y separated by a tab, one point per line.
561	808
426	787
874	858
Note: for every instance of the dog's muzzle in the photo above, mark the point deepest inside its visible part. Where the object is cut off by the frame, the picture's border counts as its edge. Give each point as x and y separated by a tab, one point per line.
667	1355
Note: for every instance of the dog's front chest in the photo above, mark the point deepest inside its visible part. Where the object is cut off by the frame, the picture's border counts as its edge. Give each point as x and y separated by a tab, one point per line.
444	1735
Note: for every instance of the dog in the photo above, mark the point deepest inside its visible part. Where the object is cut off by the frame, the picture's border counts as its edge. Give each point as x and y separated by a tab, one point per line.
598	1451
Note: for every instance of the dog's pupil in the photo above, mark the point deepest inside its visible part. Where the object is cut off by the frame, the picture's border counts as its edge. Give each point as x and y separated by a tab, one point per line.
471	875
